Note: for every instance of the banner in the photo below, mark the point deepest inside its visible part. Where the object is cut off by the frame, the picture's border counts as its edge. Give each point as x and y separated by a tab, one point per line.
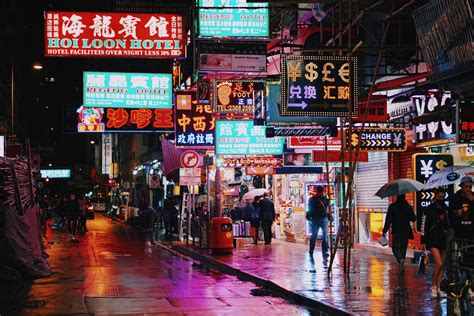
127	90
232	63
233	18
314	142
106	34
336	156
194	122
238	96
243	138
318	86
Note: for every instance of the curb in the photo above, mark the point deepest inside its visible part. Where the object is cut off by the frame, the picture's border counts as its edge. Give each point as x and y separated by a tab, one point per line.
264	283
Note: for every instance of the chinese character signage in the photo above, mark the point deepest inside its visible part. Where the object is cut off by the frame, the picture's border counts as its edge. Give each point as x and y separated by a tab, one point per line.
314	142
336	156
435	116
124	120
233	18
376	139
466	121
238	96
424	166
124	35
127	90
243	138
107	154
318	86
189	176
90	120
194	122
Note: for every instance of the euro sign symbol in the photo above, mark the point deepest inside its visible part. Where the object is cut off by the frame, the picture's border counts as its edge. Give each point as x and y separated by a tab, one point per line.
354	140
311	70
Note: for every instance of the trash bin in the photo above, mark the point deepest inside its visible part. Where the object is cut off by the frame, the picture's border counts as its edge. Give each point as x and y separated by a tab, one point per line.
221	235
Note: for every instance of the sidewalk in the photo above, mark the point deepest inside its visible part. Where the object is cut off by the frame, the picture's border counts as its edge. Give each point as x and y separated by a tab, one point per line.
374	286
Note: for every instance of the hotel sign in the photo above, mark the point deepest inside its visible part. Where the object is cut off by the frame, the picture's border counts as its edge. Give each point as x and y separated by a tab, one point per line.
106	34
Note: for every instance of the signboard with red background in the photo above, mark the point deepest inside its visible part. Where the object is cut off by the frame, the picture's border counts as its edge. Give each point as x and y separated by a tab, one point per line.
466	121
336	156
314	141
194	122
107	34
123	120
377	108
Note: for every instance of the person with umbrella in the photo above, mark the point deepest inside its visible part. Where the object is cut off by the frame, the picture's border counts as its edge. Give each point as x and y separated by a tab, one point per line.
436	237
399	216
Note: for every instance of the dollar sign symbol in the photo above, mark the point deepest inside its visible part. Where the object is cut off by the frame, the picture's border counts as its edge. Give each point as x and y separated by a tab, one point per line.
354	140
311	70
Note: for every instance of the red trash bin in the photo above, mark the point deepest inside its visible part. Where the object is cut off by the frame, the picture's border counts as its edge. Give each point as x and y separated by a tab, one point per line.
221	235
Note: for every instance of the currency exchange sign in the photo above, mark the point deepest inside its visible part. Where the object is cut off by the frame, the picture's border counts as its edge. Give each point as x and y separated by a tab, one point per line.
194	122
376	139
424	166
127	90
324	86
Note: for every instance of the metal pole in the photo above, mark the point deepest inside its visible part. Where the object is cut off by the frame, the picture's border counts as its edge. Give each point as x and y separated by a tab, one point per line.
331	218
13	98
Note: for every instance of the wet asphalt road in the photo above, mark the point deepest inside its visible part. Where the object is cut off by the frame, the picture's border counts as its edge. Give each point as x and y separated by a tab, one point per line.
109	270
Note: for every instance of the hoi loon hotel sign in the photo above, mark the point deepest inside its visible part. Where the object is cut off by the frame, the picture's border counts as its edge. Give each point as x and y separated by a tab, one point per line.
105	34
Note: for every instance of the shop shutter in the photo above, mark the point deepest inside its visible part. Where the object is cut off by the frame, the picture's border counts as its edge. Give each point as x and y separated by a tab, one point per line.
370	177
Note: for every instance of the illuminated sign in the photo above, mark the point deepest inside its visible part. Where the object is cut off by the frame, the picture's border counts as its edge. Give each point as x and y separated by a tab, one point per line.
113	120
107	165
189	176
336	156
251	162
435	116
238	96
466	121
106	34
90	120
424	166
233	18
376	139
314	142
194	122
55	173
318	86
2	146
243	138
127	90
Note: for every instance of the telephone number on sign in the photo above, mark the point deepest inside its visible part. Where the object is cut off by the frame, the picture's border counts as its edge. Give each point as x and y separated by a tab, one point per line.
235	108
467	135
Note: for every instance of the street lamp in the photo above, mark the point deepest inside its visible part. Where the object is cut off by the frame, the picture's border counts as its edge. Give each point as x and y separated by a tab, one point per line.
92	142
37	65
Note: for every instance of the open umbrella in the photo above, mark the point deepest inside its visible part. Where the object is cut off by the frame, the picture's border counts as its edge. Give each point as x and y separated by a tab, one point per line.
250	195
448	175
399	187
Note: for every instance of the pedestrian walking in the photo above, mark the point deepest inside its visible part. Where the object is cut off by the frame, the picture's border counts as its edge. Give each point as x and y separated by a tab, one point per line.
399	216
253	209
436	237
318	214
267	216
150	225
72	209
61	212
462	216
82	224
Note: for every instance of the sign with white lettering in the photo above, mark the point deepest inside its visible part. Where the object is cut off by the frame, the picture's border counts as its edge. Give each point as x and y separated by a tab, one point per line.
55	173
243	138
127	90
107	34
376	139
189	176
318	86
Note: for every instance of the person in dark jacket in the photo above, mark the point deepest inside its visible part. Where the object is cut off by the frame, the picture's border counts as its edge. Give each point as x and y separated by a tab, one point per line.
462	215
318	213
267	216
436	237
399	216
150	225
253	209
73	213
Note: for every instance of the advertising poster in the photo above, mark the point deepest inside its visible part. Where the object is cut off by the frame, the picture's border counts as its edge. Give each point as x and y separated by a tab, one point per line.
127	90
233	18
297	160
194	122
107	34
318	86
243	138
90	120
